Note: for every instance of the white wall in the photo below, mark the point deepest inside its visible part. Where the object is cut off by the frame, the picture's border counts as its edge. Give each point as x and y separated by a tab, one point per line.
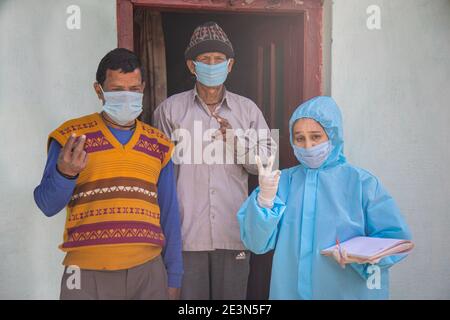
393	85
46	76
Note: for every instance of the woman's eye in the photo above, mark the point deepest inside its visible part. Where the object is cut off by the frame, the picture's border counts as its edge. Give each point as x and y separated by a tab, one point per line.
317	137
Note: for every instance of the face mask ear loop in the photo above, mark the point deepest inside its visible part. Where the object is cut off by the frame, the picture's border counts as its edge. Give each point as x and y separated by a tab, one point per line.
195	73
103	93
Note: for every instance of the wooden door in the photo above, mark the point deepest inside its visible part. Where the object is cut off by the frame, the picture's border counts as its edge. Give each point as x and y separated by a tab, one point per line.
278	51
278	82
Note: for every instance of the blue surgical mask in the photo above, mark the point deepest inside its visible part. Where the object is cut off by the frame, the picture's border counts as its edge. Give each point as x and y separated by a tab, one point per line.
314	157
122	106
211	75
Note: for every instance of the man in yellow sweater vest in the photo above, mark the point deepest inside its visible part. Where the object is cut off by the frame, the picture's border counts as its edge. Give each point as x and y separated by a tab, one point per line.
114	175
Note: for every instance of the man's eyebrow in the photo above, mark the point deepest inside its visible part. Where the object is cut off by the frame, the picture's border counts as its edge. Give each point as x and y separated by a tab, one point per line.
122	86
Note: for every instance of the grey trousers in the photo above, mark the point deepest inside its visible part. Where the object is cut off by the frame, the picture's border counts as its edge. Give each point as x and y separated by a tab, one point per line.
215	275
144	282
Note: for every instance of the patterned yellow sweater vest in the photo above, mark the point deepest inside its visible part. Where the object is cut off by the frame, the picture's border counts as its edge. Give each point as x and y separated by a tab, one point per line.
113	215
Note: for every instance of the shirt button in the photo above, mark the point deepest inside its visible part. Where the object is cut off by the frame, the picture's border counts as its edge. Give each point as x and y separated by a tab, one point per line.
213	191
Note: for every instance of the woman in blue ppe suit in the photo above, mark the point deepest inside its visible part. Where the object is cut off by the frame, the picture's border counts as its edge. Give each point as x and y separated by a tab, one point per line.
303	210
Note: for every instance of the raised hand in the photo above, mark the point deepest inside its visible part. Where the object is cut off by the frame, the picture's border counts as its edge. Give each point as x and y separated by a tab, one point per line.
268	182
73	158
224	126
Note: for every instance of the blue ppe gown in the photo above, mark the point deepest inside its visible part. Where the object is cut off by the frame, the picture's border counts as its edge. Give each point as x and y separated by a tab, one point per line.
312	208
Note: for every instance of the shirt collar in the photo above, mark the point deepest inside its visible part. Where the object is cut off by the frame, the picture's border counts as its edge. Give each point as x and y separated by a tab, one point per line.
225	99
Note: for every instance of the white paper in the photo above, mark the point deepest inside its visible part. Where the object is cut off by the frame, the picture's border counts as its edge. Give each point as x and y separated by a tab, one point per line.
367	247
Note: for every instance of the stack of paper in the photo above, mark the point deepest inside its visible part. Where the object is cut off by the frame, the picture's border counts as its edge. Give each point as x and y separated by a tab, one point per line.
367	248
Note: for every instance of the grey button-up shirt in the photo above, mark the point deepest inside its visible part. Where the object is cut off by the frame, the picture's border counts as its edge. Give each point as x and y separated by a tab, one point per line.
210	194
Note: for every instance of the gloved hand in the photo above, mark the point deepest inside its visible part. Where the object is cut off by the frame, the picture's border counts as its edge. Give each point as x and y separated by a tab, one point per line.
268	182
343	259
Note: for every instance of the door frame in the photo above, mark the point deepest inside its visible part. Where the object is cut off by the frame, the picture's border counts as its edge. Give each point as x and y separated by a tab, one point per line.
312	28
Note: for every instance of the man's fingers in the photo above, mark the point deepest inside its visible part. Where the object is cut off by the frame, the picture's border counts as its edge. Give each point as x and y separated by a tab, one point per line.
219	119
222	121
82	155
84	159
67	148
79	147
226	124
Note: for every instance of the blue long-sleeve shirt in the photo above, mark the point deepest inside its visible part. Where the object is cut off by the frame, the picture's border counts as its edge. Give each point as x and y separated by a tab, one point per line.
55	190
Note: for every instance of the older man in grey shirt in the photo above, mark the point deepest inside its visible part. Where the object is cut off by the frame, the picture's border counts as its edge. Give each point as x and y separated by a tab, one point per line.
211	188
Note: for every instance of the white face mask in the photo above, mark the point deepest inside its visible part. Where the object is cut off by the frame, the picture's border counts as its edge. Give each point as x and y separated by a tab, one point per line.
313	157
211	75
122	106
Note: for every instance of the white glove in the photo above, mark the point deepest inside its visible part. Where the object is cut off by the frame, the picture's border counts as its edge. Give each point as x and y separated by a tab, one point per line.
343	259
268	182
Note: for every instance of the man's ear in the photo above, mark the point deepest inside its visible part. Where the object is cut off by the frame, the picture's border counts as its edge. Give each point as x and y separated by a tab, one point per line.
143	86
230	65
99	92
191	66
